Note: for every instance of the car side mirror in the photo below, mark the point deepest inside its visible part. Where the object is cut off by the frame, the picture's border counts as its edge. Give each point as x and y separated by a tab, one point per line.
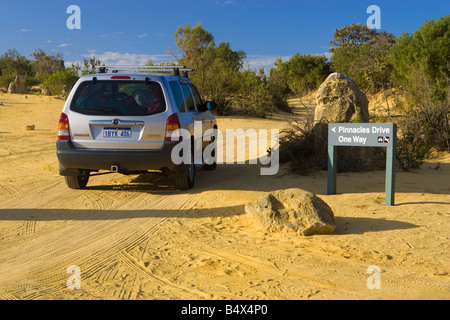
211	105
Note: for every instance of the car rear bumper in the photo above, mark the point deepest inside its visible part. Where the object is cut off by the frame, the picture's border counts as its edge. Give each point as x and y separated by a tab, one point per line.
72	160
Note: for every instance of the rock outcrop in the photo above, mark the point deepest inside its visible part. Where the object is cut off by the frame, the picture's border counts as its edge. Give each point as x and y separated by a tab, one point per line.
292	209
19	85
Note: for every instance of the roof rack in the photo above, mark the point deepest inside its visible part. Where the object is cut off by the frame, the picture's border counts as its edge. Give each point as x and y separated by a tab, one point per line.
145	69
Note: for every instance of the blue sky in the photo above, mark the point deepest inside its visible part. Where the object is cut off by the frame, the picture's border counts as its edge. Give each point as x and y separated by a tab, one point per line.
131	32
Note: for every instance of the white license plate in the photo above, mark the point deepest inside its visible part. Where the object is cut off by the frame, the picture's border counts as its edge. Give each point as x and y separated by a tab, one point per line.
117	133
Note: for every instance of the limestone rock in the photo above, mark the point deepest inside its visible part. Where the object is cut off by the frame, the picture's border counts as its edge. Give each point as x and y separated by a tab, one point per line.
339	100
45	91
11	88
292	209
19	85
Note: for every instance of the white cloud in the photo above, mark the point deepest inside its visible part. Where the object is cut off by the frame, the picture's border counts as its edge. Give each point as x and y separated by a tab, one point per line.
68	64
141	36
224	3
328	55
63	45
257	62
25	30
115	35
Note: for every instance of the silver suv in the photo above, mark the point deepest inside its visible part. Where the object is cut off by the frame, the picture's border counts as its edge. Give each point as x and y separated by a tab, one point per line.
123	123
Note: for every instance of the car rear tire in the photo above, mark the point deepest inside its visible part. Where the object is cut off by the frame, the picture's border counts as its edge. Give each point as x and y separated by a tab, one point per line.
186	182
78	182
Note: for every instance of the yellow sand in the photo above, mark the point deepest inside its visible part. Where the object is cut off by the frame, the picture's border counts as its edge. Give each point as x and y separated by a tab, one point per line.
134	237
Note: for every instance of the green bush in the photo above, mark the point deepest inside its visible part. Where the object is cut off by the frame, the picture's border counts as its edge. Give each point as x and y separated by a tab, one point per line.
424	126
428	48
6	79
13	64
59	82
412	147
300	74
422	72
279	89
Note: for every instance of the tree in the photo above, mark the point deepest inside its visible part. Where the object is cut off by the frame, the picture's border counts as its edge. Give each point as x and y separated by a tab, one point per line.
219	75
363	54
253	96
13	64
278	85
422	70
354	34
303	72
46	64
430	45
196	46
89	66
215	67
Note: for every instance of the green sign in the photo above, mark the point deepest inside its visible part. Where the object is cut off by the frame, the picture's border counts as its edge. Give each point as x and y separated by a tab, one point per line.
363	135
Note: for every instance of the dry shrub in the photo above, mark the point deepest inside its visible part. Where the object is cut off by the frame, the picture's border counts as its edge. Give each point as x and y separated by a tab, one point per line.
425	125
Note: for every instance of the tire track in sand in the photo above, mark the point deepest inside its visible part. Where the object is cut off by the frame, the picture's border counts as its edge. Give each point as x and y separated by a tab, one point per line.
90	244
174	288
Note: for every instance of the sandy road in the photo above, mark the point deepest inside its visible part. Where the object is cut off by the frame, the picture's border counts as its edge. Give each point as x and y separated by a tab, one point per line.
47	227
137	238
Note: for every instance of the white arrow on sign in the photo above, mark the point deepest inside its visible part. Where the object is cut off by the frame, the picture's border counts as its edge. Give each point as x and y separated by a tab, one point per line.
333	129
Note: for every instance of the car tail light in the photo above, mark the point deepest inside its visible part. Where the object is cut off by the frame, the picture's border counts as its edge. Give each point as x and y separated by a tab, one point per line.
63	127
173	124
120	77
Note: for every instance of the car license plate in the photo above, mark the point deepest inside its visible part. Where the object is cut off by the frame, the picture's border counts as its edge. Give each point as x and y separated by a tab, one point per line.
119	133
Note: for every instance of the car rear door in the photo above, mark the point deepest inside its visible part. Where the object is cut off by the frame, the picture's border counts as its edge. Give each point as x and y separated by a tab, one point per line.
196	119
118	113
205	116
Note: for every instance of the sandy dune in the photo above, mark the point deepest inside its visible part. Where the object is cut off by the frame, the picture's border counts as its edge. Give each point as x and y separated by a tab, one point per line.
136	237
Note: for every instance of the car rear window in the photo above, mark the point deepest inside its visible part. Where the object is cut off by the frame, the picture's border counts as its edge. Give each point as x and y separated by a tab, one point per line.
119	98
